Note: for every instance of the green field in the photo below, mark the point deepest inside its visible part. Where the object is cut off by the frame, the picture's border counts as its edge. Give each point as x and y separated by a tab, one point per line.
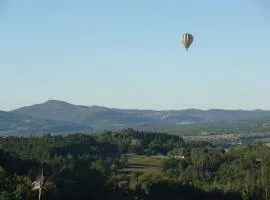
137	163
265	140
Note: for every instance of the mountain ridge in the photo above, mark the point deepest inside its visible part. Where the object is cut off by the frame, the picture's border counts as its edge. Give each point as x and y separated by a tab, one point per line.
63	116
18	124
59	102
63	111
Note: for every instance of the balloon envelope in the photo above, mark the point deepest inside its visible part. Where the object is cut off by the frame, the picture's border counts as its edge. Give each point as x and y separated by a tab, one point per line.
187	39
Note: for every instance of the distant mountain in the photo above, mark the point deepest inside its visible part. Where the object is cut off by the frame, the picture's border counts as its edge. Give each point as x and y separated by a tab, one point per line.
112	118
17	124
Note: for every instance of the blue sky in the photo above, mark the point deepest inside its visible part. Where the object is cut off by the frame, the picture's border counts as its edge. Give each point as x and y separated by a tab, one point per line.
127	54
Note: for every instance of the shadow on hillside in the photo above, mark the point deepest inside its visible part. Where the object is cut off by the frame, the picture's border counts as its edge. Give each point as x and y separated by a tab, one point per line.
172	190
140	165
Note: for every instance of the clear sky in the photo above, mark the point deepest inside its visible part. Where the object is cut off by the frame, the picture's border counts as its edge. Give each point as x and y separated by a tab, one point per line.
127	54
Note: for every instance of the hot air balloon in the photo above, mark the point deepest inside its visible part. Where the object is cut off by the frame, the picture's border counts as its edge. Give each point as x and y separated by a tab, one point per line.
186	40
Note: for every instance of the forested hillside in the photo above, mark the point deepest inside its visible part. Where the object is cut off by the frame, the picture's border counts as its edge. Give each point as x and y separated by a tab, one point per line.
129	165
61	117
98	115
18	124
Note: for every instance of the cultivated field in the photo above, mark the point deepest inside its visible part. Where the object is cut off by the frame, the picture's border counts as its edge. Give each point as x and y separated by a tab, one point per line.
137	163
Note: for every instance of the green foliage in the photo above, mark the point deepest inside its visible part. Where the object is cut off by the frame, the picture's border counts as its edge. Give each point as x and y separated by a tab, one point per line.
81	166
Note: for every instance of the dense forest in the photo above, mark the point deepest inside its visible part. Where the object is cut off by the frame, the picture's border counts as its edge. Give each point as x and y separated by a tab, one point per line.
97	167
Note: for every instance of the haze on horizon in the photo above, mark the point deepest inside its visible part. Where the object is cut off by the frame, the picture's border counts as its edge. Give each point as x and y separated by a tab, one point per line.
127	54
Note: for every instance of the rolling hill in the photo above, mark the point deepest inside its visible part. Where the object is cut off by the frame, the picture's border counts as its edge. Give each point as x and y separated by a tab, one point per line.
17	124
98	118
